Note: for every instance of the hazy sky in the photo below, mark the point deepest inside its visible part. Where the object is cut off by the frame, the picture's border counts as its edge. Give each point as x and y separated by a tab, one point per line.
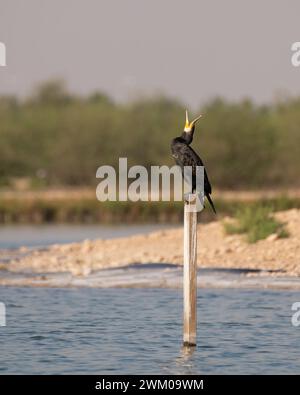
190	49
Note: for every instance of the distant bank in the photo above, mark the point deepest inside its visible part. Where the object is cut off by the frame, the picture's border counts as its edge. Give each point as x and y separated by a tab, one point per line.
79	205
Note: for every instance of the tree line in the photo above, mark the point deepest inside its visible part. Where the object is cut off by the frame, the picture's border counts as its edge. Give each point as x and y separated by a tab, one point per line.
54	138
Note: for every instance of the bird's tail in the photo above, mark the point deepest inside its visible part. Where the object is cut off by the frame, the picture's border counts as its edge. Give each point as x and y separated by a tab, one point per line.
211	203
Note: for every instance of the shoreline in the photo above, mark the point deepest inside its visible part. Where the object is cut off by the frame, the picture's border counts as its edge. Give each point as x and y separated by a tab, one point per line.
271	258
154	276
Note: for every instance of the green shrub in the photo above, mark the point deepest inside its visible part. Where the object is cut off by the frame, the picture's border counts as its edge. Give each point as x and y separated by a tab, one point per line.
256	222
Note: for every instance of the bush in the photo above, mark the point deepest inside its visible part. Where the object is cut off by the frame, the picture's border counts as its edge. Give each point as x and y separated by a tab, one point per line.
256	222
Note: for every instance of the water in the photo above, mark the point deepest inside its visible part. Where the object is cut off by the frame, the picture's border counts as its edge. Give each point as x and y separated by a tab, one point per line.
138	331
15	236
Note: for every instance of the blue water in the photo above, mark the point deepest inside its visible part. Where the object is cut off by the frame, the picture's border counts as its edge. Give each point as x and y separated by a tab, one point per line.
15	236
123	331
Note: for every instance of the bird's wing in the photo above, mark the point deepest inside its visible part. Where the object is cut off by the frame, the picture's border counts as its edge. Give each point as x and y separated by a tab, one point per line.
193	159
184	155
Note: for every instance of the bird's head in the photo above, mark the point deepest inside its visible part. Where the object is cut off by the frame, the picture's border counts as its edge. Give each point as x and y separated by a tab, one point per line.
190	126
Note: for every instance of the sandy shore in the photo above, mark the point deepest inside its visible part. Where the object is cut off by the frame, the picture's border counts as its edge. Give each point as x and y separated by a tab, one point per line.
280	257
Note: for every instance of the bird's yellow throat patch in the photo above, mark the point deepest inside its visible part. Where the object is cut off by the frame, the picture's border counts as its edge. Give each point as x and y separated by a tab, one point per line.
188	126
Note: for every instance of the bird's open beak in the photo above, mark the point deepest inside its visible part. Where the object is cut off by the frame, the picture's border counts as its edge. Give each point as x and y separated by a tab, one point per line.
189	125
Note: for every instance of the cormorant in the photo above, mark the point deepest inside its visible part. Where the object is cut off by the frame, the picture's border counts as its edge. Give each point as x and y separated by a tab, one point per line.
184	155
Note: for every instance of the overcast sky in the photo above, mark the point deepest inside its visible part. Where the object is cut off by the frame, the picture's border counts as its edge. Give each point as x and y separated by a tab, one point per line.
190	49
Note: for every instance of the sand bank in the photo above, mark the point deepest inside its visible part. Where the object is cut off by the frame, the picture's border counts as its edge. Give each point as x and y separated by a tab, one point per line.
278	257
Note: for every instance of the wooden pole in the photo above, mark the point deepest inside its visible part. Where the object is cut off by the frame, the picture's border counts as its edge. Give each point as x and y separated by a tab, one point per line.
190	273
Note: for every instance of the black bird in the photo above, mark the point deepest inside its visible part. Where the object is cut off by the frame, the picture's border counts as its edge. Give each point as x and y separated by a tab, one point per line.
184	155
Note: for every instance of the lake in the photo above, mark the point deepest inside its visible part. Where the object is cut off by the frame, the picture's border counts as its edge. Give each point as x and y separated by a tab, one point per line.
139	331
15	236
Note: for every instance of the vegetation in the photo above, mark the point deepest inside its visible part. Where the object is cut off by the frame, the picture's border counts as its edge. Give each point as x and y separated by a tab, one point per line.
69	209
54	138
256	222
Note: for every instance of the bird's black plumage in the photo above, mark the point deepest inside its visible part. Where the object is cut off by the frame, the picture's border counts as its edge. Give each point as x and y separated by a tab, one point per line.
184	155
